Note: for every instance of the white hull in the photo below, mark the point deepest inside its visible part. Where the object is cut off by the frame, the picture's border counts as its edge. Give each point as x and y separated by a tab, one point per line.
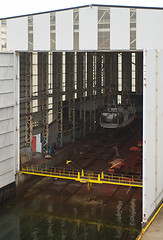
116	125
117	117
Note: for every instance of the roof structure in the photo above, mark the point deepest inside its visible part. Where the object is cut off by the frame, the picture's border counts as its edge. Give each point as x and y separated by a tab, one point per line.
84	6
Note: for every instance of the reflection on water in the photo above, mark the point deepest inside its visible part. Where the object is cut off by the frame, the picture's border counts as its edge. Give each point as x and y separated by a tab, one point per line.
119	212
39	218
132	211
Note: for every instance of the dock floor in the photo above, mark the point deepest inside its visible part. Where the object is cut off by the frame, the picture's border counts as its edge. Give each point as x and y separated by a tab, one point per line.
155	230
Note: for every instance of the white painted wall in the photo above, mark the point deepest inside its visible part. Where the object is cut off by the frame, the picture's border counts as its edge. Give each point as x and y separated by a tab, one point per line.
149	29
8	110
119	28
64	30
152	132
0	36
41	32
17	34
160	128
88	19
38	143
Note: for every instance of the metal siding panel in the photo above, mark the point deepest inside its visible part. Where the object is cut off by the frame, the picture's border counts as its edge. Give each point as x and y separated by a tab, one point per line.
160	128
41	32
7	119
17	34
6	99
0	37
149	135
7	139
6	113
149	33
6	126
6	179
6	72
64	30
6	86
6	152
6	60
88	19
119	28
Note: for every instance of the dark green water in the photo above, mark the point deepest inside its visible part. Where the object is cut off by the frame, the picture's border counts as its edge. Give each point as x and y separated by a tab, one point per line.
44	213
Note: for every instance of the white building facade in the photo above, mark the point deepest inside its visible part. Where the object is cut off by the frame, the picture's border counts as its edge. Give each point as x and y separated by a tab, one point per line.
94	28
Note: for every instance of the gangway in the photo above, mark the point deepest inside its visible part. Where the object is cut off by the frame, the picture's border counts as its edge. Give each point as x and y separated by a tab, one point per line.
83	176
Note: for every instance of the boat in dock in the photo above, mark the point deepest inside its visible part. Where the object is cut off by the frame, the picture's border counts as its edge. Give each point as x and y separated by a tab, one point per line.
117	116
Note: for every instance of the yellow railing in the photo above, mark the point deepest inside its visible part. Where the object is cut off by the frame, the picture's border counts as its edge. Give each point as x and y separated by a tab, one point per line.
84	176
149	223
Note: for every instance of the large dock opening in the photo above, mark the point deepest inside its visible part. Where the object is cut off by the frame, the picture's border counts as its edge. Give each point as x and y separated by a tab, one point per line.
63	98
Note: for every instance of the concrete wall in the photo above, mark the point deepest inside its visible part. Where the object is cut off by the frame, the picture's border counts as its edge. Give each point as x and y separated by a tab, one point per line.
8	119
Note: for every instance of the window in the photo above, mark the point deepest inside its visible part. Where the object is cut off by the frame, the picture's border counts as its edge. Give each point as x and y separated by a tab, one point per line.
30	33
50	87
52	32
76	28
119	72
103	28
132	28
3	35
34	81
63	75
133	62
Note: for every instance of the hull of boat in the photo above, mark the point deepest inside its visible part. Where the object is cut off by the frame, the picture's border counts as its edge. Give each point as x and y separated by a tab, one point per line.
116	125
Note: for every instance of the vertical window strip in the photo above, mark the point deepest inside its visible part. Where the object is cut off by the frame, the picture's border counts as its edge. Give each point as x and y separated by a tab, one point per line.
3	35
119	99
52	31
133	62
50	87
35	81
63	75
94	74
102	74
75	73
119	72
30	33
85	87
103	28
50	73
133	28
76	28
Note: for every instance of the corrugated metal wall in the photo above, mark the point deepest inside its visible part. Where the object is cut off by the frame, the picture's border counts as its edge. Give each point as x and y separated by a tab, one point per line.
7	119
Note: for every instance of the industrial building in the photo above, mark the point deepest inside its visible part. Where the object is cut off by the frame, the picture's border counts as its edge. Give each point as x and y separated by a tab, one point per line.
55	70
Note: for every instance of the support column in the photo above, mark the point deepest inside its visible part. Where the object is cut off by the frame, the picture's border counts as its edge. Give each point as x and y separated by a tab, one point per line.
28	103
126	72
57	91
81	91
43	96
70	93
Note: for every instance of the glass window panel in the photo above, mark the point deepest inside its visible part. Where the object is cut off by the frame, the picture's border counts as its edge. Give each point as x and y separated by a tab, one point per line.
103	28
76	29
52	31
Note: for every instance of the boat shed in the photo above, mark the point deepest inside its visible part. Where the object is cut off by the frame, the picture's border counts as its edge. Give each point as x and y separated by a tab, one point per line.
92	48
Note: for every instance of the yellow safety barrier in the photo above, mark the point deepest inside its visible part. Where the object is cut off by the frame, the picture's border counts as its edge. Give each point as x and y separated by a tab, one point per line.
149	223
84	177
